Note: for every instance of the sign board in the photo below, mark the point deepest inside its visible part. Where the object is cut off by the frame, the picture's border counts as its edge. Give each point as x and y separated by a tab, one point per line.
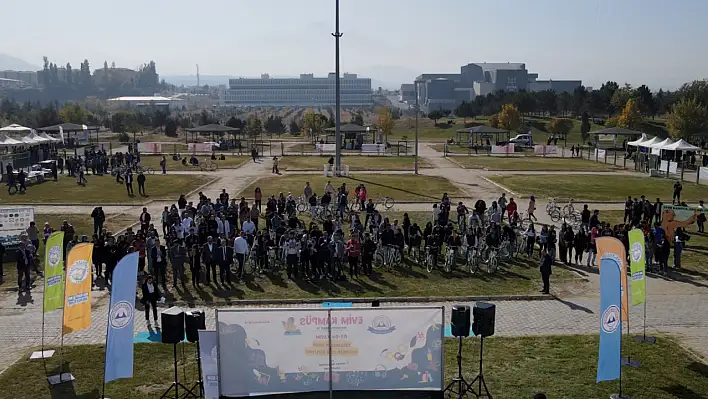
373	148
326	147
154	148
703	173
503	149
277	351
673	167
14	222
543	150
199	147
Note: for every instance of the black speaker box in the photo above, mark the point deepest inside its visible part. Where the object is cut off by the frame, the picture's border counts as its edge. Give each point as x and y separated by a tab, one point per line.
460	321
194	321
172	325
484	315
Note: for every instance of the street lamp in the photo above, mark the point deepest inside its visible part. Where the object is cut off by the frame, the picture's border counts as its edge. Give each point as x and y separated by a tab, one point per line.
338	105
417	111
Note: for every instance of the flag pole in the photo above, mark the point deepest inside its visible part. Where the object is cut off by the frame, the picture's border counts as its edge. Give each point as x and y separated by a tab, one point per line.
105	356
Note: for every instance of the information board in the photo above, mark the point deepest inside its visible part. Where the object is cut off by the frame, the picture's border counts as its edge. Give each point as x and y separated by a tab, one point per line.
14	222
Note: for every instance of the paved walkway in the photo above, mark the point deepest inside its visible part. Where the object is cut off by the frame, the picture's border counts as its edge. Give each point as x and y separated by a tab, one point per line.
673	306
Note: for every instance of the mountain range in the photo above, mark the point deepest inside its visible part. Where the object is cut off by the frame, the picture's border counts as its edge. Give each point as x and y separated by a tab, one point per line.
387	77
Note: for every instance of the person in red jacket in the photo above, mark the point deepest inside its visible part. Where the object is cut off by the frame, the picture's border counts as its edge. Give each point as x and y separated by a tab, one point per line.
353	248
510	208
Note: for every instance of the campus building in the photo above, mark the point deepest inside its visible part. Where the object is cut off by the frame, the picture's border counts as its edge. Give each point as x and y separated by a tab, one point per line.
447	91
304	91
28	77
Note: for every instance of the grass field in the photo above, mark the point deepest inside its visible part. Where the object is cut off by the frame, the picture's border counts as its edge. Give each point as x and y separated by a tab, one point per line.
529	163
693	259
153	161
363	162
598	188
399	187
83	224
103	190
515	368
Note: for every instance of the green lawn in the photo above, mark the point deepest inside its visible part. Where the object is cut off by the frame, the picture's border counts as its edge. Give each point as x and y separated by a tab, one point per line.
514	368
399	187
153	161
693	260
529	163
83	224
364	162
104	189
598	187
394	150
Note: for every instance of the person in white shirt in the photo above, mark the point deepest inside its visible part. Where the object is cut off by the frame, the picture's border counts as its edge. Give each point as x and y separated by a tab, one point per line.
186	223
292	252
473	220
240	252
436	213
248	227
307	190
329	188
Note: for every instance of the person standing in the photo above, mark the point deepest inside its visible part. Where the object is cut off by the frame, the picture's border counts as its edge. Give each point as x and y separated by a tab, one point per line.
178	256
367	255
195	259
225	256
151	294
145	220
159	262
23	259
129	182
532	208
165	221
33	236
163	165
141	184
292	249
240	252
99	218
2	256
275	166
209	258
676	199
546	262
353	248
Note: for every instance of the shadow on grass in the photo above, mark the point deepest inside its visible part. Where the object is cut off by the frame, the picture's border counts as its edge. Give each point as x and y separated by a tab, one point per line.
66	390
681	392
371	183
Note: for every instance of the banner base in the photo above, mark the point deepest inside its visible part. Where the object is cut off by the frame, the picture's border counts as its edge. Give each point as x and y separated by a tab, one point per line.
646	340
42	354
617	396
60	378
628	361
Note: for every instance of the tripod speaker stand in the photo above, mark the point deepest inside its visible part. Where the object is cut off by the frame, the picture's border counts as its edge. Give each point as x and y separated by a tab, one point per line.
479	379
458	386
173	333
176	384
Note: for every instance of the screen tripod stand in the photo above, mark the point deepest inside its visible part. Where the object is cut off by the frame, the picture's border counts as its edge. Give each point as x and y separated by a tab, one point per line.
176	385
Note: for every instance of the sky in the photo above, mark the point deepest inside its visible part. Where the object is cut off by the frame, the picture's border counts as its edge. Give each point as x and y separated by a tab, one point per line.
654	42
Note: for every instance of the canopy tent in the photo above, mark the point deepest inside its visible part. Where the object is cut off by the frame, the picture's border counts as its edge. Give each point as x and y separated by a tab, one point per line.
37	138
639	141
8	142
29	141
650	143
48	137
661	145
15	128
681	145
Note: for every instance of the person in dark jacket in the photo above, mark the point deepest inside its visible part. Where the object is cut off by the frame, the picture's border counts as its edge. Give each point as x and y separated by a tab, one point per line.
141	184
99	217
129	183
367	254
224	257
24	259
209	259
546	262
151	294
195	258
159	263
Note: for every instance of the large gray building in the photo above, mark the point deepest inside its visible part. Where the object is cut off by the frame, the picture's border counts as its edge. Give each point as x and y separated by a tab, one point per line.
298	92
447	91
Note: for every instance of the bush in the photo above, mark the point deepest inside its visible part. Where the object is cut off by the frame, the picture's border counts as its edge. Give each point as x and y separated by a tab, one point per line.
123	137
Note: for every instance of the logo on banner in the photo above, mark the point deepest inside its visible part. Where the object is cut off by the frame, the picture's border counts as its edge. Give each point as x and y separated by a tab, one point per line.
290	327
636	252
78	271
610	319
54	256
381	325
121	314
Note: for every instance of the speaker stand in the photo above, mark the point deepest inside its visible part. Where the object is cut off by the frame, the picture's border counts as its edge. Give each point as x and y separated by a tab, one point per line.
176	384
200	383
480	377
462	386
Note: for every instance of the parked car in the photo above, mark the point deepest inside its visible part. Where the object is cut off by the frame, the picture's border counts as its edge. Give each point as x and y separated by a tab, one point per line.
522	140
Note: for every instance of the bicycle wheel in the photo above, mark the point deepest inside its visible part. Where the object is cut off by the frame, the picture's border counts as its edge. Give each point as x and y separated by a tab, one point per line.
492	265
473	262
301	207
396	258
568	209
388	202
202	167
378	260
555	216
213	166
251	264
429	265
150	171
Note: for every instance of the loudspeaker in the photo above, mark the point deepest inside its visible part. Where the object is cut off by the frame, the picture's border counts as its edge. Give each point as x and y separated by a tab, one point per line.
193	321
172	325
484	315
460	321
375	303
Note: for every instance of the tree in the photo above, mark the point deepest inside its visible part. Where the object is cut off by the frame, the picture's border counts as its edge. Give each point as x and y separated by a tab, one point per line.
171	127
73	114
585	127
69	78
494	121
547	102
645	99
579	100
384	121
631	117
466	110
687	118
509	118
435	115
314	123
254	126
621	96
357	118
294	128
235	123
274	124
560	126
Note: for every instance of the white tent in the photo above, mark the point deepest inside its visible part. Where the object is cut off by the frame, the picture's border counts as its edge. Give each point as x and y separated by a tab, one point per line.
15	128
638	142
662	145
37	138
8	142
681	145
651	142
29	141
48	137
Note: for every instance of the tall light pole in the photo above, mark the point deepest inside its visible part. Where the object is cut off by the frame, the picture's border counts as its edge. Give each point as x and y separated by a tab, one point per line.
417	111
337	107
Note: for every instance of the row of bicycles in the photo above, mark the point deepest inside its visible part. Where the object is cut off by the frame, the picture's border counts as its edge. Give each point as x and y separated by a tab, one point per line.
323	213
567	214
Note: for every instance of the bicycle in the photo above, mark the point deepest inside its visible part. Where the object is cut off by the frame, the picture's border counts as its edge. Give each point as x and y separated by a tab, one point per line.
386	201
472	259
450	259
388	258
144	170
569	208
429	260
493	262
210	166
552	206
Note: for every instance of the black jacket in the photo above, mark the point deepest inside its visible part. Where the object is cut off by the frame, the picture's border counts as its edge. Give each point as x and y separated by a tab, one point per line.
147	296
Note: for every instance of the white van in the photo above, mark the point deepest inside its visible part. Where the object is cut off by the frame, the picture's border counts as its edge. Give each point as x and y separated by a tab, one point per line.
522	140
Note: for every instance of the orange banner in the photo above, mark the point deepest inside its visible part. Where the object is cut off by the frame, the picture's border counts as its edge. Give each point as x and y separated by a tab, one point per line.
77	300
613	248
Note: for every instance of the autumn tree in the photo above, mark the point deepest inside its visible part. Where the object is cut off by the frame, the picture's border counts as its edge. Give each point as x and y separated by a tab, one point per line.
314	123
435	115
560	126
621	96
631	116
384	121
509	118
687	118
494	121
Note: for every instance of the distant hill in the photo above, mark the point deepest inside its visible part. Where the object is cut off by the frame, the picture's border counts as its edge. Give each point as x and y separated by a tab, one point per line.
10	63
